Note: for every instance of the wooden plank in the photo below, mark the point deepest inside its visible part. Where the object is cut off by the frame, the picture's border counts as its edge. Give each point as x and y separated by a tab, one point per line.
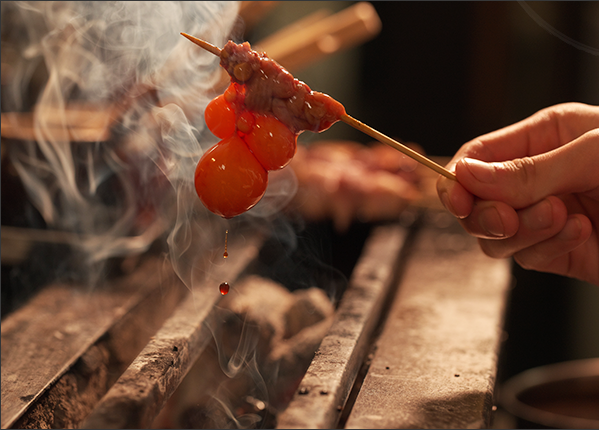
436	359
329	379
42	340
140	393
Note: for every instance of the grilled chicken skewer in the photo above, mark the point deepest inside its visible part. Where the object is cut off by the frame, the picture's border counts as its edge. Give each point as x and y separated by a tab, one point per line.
318	114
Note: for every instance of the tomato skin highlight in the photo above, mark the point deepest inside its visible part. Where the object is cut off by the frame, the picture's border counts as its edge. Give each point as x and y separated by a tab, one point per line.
220	117
272	142
228	179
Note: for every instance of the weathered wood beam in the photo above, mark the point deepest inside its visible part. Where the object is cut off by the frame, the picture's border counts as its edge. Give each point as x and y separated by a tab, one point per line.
140	393
331	375
69	332
435	361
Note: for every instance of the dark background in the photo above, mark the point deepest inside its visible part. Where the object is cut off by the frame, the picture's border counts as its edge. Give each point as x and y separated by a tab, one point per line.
445	72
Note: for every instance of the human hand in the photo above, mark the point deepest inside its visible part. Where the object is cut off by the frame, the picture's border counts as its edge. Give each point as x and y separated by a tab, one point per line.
531	191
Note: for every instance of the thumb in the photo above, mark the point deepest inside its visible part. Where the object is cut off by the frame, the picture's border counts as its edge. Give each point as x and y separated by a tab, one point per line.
521	182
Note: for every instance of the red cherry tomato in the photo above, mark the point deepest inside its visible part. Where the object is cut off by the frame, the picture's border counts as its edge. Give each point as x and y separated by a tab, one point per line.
220	117
229	180
272	143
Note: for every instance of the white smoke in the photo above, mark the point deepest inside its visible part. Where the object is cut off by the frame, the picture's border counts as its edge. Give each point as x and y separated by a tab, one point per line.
122	67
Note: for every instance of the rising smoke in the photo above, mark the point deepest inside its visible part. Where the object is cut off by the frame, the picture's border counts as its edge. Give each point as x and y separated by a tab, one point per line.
120	75
114	97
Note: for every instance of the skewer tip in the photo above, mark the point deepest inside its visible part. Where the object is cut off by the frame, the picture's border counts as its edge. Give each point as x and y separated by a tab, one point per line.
203	44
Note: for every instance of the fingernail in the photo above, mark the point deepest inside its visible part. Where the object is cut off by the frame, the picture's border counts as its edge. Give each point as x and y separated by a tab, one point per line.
571	230
491	223
539	216
484	172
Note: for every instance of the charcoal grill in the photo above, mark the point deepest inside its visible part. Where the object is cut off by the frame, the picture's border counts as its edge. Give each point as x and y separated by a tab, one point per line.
413	343
412	340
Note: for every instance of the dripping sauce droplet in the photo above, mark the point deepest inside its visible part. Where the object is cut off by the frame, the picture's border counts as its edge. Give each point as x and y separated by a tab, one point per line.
226	254
224	288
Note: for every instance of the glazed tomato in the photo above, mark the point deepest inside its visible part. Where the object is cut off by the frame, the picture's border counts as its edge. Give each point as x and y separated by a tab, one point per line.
229	180
272	142
220	117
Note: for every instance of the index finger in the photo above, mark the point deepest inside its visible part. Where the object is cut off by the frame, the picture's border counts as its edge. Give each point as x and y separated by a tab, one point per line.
542	132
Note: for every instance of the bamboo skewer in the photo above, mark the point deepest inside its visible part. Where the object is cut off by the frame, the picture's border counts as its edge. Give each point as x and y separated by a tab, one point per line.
358	125
203	44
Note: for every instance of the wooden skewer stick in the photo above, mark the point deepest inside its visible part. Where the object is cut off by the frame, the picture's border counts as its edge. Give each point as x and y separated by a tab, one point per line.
203	44
395	144
358	125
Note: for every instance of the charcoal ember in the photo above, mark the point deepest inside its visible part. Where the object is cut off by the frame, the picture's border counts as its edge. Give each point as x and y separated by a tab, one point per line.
292	325
277	333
